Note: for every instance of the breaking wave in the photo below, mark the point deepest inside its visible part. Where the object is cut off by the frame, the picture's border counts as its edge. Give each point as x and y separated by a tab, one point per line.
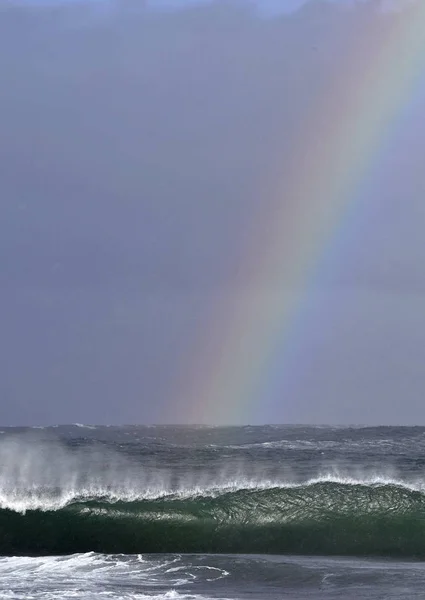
324	516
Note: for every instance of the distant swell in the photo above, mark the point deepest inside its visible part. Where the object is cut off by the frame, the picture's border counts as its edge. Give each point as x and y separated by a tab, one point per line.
323	517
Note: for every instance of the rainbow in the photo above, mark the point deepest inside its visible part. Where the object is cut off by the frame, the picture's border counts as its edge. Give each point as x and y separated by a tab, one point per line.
339	145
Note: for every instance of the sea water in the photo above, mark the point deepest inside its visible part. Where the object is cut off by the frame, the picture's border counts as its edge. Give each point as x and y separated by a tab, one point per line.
200	512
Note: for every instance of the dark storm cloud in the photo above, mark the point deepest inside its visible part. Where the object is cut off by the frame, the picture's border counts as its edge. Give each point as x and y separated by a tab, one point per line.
137	150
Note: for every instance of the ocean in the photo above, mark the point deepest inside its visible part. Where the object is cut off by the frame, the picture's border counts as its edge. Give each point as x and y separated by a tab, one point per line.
198	513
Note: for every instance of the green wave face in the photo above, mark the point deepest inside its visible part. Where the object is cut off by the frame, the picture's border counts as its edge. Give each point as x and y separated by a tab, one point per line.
319	518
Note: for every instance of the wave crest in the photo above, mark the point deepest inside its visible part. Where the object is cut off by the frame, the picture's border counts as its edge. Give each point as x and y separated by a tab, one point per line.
320	517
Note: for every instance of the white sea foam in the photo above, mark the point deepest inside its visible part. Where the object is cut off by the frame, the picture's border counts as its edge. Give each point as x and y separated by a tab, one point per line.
94	576
343	445
25	500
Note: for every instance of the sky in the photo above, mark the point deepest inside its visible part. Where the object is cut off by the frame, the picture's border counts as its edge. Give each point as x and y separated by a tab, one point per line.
139	150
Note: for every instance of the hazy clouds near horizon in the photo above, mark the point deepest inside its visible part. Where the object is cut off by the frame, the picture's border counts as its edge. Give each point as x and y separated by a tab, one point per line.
135	153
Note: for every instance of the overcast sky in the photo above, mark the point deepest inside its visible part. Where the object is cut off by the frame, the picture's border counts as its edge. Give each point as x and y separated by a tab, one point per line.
136	148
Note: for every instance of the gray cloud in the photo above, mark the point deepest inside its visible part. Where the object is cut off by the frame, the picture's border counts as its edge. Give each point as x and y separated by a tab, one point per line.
137	151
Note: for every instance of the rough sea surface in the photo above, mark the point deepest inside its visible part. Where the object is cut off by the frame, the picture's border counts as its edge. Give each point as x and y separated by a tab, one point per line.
195	513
